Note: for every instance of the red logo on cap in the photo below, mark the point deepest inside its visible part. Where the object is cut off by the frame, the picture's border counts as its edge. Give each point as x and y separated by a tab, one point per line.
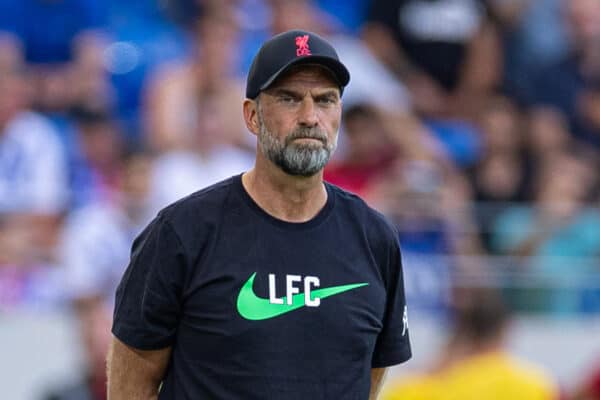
302	46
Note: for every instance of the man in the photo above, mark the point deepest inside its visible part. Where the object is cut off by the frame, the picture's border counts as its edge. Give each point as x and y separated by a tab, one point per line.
33	171
571	83
475	363
271	284
93	248
412	36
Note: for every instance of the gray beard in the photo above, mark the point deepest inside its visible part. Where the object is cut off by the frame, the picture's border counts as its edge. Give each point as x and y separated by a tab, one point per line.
295	158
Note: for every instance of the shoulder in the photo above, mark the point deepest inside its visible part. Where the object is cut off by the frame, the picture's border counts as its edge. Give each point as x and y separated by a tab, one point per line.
374	222
357	216
193	216
508	374
33	129
532	378
192	224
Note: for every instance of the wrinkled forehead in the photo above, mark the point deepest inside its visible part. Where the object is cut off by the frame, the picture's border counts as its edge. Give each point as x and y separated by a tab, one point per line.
307	74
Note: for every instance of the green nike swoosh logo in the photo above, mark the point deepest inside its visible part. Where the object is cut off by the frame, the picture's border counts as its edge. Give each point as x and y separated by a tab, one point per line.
252	307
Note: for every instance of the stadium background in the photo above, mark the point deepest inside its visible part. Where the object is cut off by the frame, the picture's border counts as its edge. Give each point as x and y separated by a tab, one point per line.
474	125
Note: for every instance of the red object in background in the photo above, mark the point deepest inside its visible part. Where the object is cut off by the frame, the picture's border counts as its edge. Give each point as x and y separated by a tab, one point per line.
351	178
355	178
98	388
595	385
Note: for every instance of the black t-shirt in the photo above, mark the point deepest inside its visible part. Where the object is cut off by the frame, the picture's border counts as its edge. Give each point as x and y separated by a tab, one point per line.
259	308
434	34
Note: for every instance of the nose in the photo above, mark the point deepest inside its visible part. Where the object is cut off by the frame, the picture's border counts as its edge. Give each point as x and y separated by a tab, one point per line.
308	112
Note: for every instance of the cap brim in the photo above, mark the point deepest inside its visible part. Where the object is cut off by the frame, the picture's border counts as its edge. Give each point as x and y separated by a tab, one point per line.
337	69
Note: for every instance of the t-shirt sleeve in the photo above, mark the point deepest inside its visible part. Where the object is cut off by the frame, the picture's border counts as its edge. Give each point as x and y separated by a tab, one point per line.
148	299
393	344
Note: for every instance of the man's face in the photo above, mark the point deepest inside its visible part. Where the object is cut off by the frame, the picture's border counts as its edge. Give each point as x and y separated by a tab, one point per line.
299	117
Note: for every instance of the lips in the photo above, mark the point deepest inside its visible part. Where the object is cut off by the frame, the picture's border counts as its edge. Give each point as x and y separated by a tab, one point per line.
320	139
307	134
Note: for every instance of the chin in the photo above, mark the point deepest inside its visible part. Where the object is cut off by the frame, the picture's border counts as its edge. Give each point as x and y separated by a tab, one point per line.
301	174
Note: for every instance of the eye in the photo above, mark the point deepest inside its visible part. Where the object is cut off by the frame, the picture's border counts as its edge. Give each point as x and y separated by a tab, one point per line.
287	99
327	100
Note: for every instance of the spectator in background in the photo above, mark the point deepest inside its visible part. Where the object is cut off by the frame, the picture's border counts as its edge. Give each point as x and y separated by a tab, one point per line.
572	84
446	51
95	240
49	30
474	363
88	80
33	175
180	94
533	34
547	136
372	82
82	82
76	103
429	207
500	176
428	200
189	115
95	170
559	231
93	324
447	54
94	251
367	153
410	195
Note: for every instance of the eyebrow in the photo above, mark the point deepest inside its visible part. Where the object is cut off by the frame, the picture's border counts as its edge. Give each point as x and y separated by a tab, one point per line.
294	93
329	93
285	92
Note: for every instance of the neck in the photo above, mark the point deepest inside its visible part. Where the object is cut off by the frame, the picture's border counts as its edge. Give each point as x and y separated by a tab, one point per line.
286	197
457	350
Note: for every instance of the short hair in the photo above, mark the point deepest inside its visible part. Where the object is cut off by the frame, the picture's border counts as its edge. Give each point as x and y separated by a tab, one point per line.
481	315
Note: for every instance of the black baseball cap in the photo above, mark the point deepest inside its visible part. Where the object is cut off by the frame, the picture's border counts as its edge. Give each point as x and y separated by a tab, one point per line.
291	48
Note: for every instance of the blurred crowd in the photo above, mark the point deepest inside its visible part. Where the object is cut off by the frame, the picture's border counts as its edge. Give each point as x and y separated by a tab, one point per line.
473	124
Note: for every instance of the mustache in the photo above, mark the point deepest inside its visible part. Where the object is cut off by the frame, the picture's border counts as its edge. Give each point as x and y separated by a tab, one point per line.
307	133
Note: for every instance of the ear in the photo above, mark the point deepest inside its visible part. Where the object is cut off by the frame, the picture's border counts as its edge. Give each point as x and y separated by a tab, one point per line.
251	116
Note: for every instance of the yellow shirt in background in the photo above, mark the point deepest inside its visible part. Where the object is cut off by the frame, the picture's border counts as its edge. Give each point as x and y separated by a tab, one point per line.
493	376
